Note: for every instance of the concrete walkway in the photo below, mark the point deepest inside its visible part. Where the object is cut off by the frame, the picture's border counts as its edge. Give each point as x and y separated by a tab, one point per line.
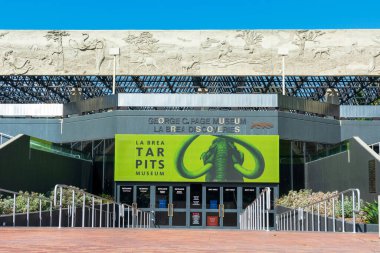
178	241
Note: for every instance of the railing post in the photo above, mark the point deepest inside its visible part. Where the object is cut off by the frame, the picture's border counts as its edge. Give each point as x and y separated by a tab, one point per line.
60	208
276	222
101	210
51	214
333	210
263	210
353	212
254	216
84	210
119	216
73	209
27	212
319	218
123	207
128	217
307	220
93	212
114	215
342	213
312	218
40	213
268	207
108	214
325	216
250	224
68	214
149	219
14	209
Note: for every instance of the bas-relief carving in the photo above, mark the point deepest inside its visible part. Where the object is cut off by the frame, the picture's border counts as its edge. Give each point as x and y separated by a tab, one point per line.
373	62
14	65
143	49
95	46
237	51
303	36
240	52
3	34
251	39
57	53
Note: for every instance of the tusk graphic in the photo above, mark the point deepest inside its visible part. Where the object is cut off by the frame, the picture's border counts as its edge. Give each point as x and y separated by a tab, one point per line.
197	173
259	166
183	171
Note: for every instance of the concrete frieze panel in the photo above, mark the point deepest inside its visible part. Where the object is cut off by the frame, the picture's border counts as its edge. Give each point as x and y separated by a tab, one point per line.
193	52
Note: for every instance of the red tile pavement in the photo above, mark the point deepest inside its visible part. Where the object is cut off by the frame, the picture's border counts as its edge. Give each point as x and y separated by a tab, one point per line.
180	240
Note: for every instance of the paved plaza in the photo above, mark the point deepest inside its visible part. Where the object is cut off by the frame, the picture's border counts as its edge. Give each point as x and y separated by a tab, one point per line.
176	240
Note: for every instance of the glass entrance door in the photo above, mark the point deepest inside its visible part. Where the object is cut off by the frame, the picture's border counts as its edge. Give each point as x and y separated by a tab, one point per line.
162	205
179	206
229	207
170	205
190	205
221	206
214	208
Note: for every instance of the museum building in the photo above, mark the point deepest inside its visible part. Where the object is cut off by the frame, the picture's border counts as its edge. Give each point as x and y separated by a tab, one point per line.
190	124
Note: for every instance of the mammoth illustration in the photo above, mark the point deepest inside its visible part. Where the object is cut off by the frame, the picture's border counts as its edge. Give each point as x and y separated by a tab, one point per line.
222	162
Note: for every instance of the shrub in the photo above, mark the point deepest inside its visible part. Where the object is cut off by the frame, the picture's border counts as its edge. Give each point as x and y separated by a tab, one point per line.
306	197
348	207
6	202
371	212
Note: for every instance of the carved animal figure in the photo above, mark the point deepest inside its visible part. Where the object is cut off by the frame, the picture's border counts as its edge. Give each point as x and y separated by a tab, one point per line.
224	50
209	42
86	44
372	62
148	61
14	64
99	46
223	161
183	39
3	34
187	65
321	52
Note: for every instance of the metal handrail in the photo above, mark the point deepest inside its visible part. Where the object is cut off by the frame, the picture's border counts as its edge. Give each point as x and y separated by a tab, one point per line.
6	136
139	218
256	215
373	145
294	219
41	198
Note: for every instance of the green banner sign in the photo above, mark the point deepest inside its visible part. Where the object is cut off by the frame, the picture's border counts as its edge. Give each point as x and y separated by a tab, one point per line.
197	158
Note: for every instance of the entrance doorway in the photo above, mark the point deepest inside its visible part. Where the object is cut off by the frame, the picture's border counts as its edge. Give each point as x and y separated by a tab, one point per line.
191	205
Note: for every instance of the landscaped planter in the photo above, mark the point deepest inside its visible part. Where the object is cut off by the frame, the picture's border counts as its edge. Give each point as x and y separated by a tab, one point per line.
348	225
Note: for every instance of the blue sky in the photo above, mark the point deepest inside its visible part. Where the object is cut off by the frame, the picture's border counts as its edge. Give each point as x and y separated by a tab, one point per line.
191	14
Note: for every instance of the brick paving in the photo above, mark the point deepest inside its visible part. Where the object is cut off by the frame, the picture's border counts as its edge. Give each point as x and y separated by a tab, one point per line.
180	240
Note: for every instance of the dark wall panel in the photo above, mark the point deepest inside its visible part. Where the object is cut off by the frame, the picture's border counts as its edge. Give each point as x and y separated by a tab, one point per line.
349	169
22	168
